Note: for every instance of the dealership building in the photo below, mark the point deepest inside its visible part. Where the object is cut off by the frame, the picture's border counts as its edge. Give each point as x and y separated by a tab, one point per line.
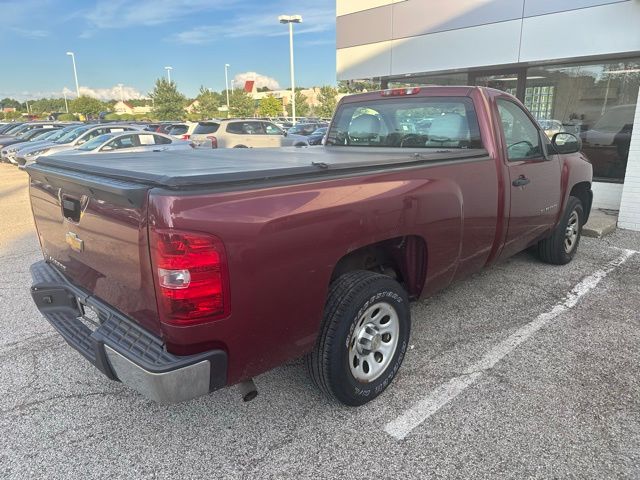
574	63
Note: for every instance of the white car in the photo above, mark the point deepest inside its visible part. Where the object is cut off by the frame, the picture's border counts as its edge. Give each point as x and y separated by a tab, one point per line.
127	142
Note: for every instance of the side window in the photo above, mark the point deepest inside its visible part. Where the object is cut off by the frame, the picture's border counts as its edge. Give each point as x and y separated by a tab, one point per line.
272	129
162	140
235	127
253	128
119	143
92	134
520	133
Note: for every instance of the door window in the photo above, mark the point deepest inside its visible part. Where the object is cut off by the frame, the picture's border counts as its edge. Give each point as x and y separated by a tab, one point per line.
127	141
520	133
272	129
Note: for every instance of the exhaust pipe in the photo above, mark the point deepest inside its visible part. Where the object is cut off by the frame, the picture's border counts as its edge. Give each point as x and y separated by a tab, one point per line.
248	390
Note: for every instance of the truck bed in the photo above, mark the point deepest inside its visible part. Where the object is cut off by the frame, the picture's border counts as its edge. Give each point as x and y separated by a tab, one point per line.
200	168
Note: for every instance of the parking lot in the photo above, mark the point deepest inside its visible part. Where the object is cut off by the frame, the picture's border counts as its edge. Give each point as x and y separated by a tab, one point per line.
524	370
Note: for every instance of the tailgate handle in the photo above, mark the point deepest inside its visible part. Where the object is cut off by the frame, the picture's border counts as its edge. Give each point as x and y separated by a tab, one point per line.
71	208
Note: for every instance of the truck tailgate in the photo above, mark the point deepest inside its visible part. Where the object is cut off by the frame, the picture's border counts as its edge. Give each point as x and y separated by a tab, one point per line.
94	231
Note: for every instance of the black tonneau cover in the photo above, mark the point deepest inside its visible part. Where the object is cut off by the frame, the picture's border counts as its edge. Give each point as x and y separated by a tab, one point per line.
203	167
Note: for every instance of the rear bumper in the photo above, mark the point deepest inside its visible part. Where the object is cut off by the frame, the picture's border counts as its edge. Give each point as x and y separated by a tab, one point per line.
119	347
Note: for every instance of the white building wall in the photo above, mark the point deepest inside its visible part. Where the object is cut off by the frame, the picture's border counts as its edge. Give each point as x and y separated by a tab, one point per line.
630	205
460	34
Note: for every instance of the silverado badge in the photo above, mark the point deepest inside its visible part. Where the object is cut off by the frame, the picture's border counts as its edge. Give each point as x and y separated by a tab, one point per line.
74	242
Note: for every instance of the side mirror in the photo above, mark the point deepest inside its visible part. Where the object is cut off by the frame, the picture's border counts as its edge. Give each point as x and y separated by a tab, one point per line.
284	132
565	142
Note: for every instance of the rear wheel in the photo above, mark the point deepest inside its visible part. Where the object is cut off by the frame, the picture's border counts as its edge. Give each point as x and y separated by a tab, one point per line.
561	246
363	337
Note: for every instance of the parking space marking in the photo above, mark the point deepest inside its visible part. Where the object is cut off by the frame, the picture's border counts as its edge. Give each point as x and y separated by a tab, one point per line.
402	426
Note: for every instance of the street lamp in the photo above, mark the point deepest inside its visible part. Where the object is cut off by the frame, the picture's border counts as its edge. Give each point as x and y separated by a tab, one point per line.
75	72
226	84
121	92
291	19
64	94
168	69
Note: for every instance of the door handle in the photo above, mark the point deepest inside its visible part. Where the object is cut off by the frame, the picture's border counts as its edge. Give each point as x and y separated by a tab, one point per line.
521	181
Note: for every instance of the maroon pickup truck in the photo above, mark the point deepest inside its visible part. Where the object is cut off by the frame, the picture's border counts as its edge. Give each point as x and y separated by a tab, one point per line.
178	273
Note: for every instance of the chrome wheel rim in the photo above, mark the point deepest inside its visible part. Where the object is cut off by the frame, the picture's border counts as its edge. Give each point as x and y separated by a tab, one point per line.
374	342
571	233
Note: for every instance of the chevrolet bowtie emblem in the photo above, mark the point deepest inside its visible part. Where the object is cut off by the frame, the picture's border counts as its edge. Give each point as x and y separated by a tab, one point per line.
74	242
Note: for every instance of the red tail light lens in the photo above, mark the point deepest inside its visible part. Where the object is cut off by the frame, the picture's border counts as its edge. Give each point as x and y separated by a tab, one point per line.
214	141
191	275
400	92
186	136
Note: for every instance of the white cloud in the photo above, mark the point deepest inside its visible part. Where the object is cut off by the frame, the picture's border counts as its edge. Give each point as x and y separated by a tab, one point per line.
111	93
261	80
125	13
262	23
29	33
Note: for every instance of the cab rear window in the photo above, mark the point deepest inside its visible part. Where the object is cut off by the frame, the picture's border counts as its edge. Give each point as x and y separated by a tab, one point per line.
420	122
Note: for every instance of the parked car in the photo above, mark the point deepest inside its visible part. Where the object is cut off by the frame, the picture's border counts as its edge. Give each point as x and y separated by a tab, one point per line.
129	142
316	137
204	129
72	139
182	131
607	143
247	133
202	274
9	153
25	127
26	137
305	128
8	126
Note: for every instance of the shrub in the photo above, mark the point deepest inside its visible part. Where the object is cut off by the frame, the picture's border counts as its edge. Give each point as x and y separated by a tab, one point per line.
67	117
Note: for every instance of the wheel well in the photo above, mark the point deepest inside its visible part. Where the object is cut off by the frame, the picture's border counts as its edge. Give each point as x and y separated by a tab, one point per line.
403	258
582	191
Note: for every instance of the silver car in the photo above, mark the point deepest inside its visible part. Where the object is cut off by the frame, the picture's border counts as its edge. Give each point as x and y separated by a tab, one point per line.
247	133
72	139
8	153
128	142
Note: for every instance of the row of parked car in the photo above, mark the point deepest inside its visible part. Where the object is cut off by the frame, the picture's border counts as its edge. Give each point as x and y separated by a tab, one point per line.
22	142
245	132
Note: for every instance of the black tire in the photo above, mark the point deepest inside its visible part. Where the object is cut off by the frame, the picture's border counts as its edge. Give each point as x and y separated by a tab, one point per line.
240	146
349	298
553	249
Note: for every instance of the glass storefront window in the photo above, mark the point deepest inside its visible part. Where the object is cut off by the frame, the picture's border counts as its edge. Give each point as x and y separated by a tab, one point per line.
451	79
596	101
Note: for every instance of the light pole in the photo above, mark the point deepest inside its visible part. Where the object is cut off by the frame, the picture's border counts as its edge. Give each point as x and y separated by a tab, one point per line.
64	94
168	69
121	92
226	84
75	72
291	19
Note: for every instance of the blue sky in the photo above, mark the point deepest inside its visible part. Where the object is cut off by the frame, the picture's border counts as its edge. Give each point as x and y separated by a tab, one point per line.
131	41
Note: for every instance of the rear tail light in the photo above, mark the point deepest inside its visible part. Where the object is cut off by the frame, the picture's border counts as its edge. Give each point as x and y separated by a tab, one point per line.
192	277
214	141
399	92
186	136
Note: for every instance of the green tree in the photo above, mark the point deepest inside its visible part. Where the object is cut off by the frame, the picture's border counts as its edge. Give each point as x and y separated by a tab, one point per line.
241	104
67	117
10	103
12	115
270	106
169	103
302	107
47	105
357	86
328	100
208	103
87	106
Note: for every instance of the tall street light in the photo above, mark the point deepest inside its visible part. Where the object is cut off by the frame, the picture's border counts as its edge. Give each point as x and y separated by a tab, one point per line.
75	72
64	94
121	92
226	84
291	19
168	69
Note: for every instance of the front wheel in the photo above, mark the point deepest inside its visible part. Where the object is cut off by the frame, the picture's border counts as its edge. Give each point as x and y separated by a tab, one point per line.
363	337
561	246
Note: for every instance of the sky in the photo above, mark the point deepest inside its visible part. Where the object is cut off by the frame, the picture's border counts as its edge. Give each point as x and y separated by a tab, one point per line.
130	42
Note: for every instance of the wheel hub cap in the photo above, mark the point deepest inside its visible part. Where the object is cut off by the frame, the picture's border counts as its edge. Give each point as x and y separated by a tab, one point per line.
571	232
374	342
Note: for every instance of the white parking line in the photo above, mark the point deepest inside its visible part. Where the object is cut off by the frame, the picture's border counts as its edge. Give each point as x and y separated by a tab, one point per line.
442	395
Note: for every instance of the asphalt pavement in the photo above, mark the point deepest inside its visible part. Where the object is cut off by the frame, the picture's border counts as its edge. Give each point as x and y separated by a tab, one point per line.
524	370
